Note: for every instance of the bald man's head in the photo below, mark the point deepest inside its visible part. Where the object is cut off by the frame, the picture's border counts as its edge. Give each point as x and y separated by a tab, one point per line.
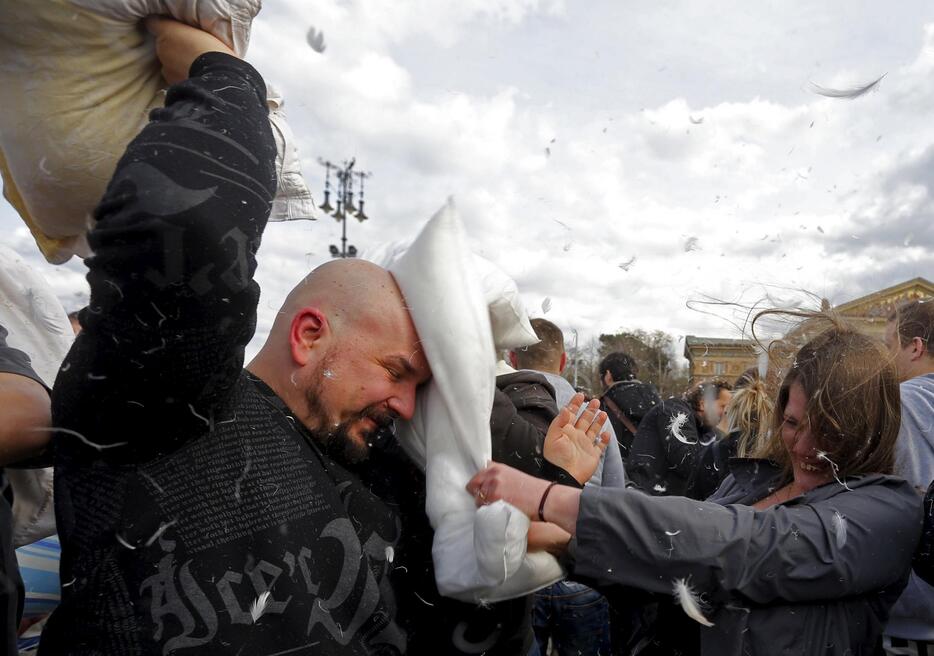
349	290
343	354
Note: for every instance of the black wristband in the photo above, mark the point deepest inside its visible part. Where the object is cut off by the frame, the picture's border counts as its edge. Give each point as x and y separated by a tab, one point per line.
541	504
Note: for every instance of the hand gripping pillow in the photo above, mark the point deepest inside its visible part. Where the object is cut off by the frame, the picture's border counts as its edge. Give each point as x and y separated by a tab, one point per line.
79	78
479	554
38	326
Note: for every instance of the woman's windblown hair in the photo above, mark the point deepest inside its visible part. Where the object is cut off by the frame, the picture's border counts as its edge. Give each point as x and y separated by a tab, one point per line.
853	408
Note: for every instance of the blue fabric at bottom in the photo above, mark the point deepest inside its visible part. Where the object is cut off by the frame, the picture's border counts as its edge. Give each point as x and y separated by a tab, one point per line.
575	617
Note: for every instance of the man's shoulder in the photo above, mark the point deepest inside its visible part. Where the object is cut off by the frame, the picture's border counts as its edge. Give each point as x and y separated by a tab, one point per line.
563	389
524	383
673	405
919	387
633	393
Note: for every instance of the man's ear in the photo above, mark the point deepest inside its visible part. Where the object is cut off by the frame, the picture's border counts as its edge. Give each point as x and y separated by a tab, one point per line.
918	349
513	360
563	363
309	327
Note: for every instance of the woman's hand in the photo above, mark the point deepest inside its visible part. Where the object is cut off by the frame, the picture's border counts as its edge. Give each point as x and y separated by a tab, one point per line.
501	482
576	445
178	45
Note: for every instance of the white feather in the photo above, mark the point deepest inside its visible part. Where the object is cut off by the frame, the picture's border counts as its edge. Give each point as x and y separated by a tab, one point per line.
676	424
689	601
839	528
853	92
822	455
259	606
316	40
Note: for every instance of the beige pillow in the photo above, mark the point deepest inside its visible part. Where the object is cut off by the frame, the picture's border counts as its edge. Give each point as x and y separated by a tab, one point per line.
78	80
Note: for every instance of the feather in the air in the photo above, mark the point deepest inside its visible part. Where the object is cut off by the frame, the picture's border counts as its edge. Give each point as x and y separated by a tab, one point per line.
853	92
316	40
689	601
259	606
839	528
675	425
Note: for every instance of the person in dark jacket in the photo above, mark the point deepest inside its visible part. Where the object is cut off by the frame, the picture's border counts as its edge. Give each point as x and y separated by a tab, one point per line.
204	508
625	399
802	552
665	451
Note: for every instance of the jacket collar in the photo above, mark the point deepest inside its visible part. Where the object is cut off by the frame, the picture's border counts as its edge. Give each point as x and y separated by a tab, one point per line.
757	476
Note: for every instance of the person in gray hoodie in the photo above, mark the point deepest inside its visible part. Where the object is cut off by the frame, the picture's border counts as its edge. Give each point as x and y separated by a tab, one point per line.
802	551
908	336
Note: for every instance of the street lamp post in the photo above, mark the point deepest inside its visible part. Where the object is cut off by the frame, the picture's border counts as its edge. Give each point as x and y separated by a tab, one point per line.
344	202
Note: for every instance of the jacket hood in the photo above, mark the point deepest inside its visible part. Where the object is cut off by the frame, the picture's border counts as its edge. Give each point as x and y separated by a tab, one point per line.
524	377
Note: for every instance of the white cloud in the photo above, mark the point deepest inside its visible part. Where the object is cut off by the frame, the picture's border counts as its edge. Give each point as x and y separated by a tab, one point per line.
463	98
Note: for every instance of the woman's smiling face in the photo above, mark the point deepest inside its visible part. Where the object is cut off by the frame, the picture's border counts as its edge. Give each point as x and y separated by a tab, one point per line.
810	471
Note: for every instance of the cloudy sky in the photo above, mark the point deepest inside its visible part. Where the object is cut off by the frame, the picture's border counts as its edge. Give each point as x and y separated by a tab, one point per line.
622	159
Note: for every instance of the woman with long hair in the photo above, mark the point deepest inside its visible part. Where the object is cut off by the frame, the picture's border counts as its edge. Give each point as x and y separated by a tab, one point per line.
801	552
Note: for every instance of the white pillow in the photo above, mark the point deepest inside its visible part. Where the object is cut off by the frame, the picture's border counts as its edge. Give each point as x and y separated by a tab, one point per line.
479	555
508	317
510	321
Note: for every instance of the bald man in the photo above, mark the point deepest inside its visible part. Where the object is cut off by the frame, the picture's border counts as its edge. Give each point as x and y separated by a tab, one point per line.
204	508
344	356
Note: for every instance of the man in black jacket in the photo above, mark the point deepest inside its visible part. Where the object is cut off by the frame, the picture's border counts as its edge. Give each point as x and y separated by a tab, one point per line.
203	508
664	456
626	400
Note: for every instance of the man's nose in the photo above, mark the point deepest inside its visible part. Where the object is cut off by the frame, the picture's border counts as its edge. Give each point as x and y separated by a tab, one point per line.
403	402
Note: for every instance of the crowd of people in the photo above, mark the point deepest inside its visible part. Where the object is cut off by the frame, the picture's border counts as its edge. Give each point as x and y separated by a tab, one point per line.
207	507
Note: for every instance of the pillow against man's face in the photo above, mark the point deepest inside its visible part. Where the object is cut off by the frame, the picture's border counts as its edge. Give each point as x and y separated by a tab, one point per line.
508	317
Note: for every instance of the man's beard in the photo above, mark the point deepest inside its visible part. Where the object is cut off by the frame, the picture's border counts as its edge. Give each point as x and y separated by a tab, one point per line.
336	440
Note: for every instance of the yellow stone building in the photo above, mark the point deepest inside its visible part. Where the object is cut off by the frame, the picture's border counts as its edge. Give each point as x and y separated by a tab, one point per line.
715	357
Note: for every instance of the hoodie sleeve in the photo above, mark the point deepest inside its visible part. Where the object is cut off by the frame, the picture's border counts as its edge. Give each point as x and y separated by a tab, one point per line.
173	301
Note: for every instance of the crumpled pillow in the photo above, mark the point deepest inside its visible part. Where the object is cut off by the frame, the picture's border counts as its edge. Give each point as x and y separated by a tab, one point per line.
479	554
509	319
38	326
79	78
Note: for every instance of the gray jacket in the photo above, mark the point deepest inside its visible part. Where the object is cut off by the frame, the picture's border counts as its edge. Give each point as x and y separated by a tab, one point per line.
913	615
785	580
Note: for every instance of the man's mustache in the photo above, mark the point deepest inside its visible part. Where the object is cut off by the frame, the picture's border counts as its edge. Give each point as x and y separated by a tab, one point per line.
382	418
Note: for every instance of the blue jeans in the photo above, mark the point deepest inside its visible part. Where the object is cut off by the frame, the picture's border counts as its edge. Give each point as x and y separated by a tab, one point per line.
575	617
